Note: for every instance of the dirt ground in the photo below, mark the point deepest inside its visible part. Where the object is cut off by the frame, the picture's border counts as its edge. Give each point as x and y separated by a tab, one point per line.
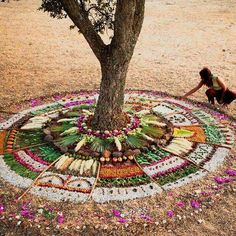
178	38
41	56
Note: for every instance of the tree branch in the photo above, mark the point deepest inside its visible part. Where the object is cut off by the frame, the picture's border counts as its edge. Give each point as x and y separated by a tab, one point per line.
128	23
82	4
97	9
123	21
80	18
138	17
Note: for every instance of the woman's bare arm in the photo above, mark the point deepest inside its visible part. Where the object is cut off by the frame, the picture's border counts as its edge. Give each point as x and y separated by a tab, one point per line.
193	90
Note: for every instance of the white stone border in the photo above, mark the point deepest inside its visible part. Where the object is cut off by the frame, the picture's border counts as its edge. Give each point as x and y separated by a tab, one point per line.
186	180
217	159
102	194
58	195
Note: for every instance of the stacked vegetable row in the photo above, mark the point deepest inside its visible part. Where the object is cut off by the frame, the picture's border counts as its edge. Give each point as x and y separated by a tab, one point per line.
87	167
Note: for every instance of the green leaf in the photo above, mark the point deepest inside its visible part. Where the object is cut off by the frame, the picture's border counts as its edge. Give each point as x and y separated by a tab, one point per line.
48	214
61	128
128	109
135	141
83	106
47	109
152	131
47	152
182	133
178	174
29	138
68	140
18	168
72	114
149	117
99	145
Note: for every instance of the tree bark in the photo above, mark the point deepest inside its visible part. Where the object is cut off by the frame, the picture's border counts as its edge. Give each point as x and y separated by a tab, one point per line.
108	113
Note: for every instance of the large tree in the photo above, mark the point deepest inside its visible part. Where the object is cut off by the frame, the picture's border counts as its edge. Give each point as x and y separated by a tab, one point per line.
92	17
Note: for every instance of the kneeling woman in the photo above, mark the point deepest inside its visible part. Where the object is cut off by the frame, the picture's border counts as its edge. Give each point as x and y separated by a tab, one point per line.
217	88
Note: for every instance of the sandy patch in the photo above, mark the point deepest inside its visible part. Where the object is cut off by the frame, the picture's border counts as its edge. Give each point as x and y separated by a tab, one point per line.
41	56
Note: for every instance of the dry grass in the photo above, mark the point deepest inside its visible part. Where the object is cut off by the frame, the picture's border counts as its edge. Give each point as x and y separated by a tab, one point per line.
177	40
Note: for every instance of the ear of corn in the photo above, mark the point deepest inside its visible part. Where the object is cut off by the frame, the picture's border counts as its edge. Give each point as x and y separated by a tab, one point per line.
77	165
71	167
36	122
81	169
31	126
94	168
40	118
118	143
61	161
80	144
87	112
66	163
72	130
56	165
147	137
88	164
67	120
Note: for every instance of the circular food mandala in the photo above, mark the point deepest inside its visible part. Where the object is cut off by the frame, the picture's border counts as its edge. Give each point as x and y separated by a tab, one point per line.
167	143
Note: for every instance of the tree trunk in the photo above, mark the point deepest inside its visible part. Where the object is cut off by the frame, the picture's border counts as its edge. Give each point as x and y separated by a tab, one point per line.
114	58
108	113
114	62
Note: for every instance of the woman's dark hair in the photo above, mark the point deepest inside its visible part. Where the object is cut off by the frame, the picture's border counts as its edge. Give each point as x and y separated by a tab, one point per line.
206	76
